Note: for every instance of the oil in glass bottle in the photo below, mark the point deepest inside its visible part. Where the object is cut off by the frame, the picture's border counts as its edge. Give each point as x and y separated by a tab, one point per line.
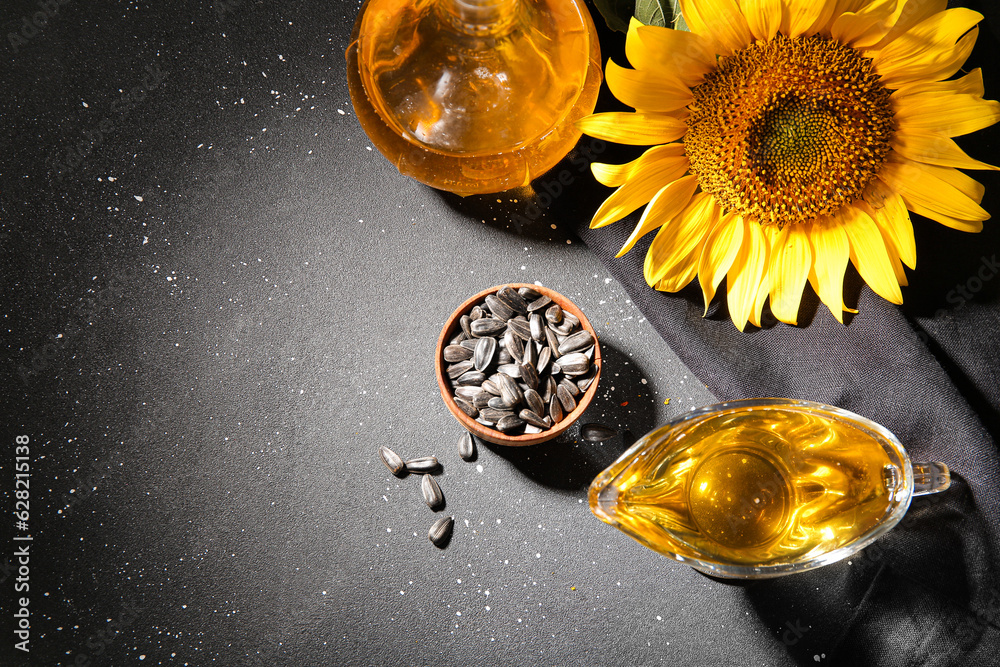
473	96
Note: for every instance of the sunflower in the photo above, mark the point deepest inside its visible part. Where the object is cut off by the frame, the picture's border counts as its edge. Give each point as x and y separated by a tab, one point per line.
790	137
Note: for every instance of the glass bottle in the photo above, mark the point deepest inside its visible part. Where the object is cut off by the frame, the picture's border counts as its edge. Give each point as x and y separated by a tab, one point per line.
473	96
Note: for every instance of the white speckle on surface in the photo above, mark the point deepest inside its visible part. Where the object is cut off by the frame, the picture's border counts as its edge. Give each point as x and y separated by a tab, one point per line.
479	467
138	197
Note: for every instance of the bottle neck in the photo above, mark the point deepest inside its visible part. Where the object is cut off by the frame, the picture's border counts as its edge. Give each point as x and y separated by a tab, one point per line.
481	17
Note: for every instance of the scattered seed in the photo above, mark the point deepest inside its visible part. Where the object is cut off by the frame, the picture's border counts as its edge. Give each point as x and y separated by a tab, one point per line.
465	447
596	432
423	464
431	492
440	531
392	461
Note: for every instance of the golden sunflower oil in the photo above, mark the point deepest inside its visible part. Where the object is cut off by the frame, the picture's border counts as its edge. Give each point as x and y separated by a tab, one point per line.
752	487
473	96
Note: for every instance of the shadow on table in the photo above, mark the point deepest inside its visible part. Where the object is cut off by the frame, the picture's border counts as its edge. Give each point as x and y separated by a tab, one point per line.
571	463
925	593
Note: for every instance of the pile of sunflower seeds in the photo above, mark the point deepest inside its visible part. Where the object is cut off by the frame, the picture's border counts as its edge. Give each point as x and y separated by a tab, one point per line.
424	466
519	361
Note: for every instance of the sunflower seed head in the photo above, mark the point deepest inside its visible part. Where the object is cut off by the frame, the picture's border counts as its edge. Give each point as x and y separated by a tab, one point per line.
392	461
431	491
440	531
423	464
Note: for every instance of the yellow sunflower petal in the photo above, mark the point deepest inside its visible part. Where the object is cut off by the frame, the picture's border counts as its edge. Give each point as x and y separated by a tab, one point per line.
890	214
635	129
867	26
929	51
763	17
927	194
763	290
932	148
667	203
804	17
970	84
639	189
950	115
680	274
719	20
831	252
719	252
681	54
791	258
645	90
680	236
868	253
744	276
613	175
914	11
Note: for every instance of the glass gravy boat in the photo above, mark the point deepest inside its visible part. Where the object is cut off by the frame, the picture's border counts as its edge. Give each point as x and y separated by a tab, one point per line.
761	488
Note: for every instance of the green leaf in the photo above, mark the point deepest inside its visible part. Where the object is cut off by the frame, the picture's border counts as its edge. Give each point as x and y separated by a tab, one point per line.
616	12
675	10
653	12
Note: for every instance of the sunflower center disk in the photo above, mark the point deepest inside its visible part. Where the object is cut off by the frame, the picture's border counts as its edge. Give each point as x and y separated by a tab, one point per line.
789	129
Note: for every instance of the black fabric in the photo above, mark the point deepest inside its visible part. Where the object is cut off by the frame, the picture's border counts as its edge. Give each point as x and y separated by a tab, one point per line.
928	592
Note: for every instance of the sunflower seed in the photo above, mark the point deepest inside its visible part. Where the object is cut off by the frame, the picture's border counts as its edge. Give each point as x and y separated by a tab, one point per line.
573	320
456	370
543	359
471	378
570	387
392	461
485	350
555	368
550	388
596	432
529	375
509	296
539	303
423	464
576	342
468	393
440	531
431	492
529	293
509	423
531	429
513	370
465	447
457	338
467	407
503	356
530	353
565	398
490	387
555	409
475	313
456	353
487	326
499	308
520	326
563	329
574	363
509	391
536	326
466	323
585	382
532	418
534	402
554	314
494	415
552	341
514	346
481	400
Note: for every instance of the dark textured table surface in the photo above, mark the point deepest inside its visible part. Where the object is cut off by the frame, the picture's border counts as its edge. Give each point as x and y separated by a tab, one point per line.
220	300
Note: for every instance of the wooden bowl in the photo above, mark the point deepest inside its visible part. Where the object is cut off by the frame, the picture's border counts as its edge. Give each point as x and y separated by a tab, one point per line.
452	327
